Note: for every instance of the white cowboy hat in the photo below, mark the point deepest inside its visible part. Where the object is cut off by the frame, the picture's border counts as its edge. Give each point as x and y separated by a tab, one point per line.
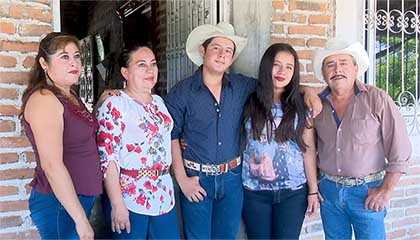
338	46
203	32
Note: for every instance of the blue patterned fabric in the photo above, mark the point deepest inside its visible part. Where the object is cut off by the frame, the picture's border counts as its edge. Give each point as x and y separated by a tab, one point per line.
269	165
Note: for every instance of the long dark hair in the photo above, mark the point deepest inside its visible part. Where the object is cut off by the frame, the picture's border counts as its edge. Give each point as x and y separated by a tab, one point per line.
259	104
48	46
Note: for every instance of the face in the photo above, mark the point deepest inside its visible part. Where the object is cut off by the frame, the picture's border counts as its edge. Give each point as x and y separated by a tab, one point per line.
65	66
142	71
218	56
340	72
283	69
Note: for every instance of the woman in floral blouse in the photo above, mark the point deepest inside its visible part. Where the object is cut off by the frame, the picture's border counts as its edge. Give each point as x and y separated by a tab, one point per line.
134	146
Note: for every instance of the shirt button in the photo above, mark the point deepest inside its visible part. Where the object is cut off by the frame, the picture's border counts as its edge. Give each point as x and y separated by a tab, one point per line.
339	129
217	110
338	149
339	170
333	111
215	104
220	143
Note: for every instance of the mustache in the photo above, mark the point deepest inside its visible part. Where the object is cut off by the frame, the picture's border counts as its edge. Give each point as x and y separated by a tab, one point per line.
337	76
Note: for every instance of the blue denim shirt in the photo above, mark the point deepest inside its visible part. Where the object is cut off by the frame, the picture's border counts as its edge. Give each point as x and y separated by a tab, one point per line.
211	130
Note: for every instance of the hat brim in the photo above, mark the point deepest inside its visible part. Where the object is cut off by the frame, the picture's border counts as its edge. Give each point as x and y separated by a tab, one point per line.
201	33
356	50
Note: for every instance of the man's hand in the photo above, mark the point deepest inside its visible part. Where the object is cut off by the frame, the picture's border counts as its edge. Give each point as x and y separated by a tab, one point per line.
191	188
120	218
377	199
313	102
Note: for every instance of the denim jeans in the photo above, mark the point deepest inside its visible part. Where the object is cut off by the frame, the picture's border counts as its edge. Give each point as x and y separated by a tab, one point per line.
50	217
143	226
219	214
275	214
343	211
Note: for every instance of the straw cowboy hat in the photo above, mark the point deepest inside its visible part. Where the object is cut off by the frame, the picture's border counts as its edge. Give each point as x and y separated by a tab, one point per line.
203	32
338	46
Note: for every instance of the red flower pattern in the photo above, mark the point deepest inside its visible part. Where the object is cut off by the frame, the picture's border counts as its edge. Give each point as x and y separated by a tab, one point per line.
151	193
148	185
141	199
115	113
109	125
130	147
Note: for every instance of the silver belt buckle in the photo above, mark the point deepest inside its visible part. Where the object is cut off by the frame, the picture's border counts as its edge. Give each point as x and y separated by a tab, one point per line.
215	170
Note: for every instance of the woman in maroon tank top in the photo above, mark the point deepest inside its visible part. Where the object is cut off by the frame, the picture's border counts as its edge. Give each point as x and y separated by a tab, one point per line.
62	132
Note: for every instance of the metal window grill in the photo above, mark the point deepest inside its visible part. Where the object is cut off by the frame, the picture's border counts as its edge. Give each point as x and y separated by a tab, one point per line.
183	17
392	30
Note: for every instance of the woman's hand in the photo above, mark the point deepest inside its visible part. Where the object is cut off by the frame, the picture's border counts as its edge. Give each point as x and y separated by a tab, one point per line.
106	94
84	230
313	203
120	219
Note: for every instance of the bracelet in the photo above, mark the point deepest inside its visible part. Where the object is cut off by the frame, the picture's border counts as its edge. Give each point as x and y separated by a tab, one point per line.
314	193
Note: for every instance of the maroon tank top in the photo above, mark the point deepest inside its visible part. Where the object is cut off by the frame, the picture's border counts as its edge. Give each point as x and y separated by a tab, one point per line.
80	152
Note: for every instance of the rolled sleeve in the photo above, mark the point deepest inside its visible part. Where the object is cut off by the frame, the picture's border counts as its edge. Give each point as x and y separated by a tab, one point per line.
396	142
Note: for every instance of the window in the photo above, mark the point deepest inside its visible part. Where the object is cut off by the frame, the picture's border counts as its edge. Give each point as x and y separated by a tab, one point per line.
182	18
392	40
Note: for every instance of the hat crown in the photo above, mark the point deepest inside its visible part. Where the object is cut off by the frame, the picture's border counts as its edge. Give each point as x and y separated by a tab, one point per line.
336	44
226	28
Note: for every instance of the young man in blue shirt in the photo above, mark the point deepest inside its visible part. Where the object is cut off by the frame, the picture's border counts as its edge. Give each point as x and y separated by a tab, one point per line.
207	110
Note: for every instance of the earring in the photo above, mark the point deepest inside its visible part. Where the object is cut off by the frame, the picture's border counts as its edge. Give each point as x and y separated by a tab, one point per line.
47	78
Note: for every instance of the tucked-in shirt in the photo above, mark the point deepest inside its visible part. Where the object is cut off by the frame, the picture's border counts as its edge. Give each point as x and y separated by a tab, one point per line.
80	154
285	157
210	129
137	136
370	137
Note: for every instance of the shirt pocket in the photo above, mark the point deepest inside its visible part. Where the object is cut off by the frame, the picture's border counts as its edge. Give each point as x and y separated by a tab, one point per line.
236	117
364	131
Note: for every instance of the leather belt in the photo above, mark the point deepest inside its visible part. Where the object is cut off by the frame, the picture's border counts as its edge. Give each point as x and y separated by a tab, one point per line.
354	181
213	169
143	173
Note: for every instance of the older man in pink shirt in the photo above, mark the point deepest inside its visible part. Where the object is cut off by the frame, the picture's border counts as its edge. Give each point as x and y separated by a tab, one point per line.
362	142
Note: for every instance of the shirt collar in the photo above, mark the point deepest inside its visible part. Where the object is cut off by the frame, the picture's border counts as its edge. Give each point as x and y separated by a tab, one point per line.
198	79
358	87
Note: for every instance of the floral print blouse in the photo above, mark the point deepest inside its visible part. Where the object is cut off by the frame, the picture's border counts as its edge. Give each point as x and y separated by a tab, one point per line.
138	136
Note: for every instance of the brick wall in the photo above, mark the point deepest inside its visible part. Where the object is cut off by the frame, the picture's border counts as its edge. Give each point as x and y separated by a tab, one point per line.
21	25
306	25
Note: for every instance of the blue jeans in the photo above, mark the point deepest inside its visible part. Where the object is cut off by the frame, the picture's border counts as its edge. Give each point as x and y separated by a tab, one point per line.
143	226
50	217
275	214
219	214
343	210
